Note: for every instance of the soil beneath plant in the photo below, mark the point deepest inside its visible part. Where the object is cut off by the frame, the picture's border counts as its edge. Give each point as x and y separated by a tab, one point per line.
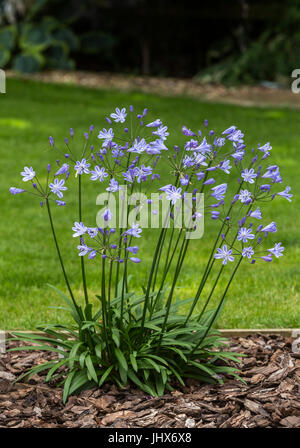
265	94
271	397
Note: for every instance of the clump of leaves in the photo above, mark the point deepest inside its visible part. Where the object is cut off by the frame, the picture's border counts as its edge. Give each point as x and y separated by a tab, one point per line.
93	352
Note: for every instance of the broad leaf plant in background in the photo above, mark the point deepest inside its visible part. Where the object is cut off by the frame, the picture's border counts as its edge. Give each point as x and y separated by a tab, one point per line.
144	337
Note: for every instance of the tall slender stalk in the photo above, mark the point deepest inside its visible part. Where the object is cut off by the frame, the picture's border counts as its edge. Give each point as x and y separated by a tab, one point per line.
159	256
109	284
169	301
219	306
60	257
81	258
165	273
146	301
104	308
209	264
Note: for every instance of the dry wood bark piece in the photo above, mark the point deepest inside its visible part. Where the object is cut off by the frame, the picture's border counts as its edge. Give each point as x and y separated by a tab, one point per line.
271	397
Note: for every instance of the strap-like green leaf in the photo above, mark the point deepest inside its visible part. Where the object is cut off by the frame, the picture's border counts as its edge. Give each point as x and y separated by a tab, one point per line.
121	358
91	369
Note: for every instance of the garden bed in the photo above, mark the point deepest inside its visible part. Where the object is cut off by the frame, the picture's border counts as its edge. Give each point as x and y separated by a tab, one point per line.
271	397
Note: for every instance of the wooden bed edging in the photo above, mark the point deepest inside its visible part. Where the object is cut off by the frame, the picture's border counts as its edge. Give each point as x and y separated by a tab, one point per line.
234	333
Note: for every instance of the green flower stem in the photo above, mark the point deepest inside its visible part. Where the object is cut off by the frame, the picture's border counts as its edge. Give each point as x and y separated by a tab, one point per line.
157	265
181	256
217	279
82	258
156	261
156	253
104	309
219	306
60	258
165	273
124	278
169	249
205	275
210	294
118	264
162	240
210	263
109	283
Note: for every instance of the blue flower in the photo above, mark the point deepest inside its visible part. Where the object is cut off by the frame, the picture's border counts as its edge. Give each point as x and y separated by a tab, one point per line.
63	169
199	159
272	173
107	215
130	175
238	155
270	228
249	175
224	254
210	181
28	173
92	254
57	187
265	148
184	180
119	115
172	193
79	229
154	124
267	258
107	136
225	166
285	194
219	191
256	213
191	145
215	215
200	175
218	142
248	252
245	235
143	172
83	249
135	259
82	167
98	173
236	136
161	132
132	249
113	186
15	190
245	196
277	250
187	131
134	231
229	130
156	147
188	161
203	147
60	203
92	231
138	146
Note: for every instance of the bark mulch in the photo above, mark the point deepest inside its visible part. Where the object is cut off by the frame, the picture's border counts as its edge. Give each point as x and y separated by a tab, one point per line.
271	397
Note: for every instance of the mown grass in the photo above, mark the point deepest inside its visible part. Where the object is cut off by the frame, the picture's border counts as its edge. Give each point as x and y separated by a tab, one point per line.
263	295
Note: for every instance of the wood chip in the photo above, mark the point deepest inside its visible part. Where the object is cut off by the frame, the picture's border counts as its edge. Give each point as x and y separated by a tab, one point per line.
269	399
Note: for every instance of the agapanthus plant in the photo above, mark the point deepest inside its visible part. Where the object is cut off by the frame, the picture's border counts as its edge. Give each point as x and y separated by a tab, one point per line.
142	336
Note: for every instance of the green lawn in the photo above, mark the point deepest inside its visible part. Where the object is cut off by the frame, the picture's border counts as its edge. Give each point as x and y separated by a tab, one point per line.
263	295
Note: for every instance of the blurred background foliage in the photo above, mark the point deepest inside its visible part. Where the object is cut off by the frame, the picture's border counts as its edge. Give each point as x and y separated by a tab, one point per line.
232	41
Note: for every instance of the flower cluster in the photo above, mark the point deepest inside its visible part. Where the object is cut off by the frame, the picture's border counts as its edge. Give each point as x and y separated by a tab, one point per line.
103	243
129	149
